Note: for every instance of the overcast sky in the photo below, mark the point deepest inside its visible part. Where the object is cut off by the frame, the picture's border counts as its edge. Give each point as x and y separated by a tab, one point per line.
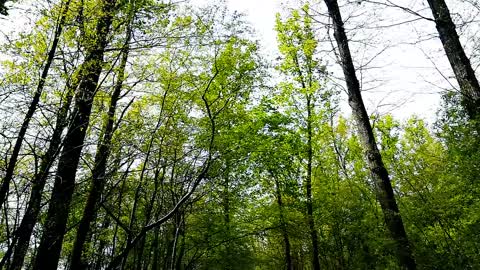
404	79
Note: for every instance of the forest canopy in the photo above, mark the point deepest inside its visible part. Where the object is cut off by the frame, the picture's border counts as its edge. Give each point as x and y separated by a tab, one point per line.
149	134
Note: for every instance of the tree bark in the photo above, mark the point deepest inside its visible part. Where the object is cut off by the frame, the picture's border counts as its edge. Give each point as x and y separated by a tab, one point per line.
32	107
464	73
51	241
383	186
100	163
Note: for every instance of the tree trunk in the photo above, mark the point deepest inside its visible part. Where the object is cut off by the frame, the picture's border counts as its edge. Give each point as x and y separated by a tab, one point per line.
51	241
156	249
32	108
283	226
181	252
30	218
98	265
308	186
470	89
383	187
158	180
176	235
100	164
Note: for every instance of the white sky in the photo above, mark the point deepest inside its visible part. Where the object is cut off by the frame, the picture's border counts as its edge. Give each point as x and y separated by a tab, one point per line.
262	16
405	77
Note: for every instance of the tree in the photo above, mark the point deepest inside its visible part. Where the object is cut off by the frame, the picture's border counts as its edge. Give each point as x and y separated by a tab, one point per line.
103	151
159	140
383	186
33	106
465	74
298	47
51	241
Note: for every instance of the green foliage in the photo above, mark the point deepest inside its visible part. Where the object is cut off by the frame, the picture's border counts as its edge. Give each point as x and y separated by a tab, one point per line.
195	89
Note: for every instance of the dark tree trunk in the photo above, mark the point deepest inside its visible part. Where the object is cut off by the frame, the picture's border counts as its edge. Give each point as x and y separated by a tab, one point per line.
470	89
55	225
32	108
156	249
383	187
100	164
30	218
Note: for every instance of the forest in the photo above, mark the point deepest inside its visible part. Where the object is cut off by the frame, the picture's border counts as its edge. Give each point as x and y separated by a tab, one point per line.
159	134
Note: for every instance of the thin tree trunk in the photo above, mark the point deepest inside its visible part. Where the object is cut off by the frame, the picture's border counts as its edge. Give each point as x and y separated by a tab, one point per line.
156	248
196	182
307	80
142	176
379	173
100	164
32	108
469	86
30	218
176	235
120	210
132	220
51	241
181	252
308	186
158	180
286	239
101	246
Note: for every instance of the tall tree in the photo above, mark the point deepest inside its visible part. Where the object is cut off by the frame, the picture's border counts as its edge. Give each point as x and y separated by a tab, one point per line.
103	152
33	104
48	253
23	233
298	47
462	68
380	175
